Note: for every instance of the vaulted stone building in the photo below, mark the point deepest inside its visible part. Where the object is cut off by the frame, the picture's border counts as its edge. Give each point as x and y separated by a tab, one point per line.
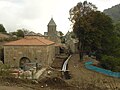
32	48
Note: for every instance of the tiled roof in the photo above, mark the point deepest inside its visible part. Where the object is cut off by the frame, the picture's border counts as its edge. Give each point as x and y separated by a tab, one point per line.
29	42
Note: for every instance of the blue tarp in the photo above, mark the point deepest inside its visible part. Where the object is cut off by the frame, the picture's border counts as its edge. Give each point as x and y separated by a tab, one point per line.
101	70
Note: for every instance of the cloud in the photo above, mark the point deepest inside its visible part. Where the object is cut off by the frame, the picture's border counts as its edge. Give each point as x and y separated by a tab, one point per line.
16	14
35	14
30	9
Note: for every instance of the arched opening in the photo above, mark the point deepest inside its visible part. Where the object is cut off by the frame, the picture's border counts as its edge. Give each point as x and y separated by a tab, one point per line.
23	61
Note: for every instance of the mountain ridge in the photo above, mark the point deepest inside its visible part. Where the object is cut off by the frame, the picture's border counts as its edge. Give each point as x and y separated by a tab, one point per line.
113	12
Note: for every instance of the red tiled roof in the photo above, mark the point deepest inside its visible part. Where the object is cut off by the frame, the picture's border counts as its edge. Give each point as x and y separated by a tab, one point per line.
32	41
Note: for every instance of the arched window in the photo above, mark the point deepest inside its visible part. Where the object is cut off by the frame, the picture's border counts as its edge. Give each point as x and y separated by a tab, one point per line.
23	61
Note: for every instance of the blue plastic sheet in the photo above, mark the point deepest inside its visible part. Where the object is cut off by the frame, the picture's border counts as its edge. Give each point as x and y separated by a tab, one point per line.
101	70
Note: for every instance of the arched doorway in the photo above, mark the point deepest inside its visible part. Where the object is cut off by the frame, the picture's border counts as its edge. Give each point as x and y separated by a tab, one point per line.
23	61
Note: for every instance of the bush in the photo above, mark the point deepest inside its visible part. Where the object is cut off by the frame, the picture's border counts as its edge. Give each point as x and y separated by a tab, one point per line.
111	63
9	39
4	70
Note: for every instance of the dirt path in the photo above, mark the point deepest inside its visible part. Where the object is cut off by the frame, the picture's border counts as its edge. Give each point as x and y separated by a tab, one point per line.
83	78
13	88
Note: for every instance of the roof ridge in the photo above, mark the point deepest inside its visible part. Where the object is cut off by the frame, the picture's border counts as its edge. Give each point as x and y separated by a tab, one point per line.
32	41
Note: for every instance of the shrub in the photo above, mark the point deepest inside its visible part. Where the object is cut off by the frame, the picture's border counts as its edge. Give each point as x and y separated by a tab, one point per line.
111	63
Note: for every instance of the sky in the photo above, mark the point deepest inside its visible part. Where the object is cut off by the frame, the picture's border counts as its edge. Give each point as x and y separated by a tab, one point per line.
34	15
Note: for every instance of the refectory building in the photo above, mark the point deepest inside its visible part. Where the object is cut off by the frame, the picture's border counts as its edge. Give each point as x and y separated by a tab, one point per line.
32	48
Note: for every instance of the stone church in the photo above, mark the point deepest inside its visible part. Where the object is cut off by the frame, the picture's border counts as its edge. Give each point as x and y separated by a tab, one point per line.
52	35
33	48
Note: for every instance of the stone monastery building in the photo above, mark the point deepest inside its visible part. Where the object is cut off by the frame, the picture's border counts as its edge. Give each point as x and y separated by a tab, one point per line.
33	48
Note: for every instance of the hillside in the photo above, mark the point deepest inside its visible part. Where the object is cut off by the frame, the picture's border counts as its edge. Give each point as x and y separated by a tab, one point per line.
113	12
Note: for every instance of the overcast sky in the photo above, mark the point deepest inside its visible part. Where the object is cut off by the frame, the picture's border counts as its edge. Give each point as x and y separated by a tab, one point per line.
34	15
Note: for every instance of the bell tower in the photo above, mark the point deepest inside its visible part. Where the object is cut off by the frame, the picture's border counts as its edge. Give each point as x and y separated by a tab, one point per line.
51	27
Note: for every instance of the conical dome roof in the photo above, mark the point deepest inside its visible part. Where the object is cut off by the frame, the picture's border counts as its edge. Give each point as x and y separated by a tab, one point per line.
52	22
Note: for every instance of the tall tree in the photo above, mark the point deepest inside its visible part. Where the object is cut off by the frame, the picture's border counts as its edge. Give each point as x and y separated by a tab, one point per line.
92	27
2	29
80	22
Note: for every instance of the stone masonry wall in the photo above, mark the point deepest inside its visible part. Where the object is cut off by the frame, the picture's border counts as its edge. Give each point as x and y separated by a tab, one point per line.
13	54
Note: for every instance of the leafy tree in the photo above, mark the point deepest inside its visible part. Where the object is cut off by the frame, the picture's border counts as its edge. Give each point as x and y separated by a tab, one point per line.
96	32
25	31
117	28
61	33
20	33
92	27
111	54
2	29
13	33
80	22
61	37
111	63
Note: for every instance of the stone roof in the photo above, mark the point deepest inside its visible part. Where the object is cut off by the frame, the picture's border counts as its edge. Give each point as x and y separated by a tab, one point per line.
30	42
33	34
4	35
52	22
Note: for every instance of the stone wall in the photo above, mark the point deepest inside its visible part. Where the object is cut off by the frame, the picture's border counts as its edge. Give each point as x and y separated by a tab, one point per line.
72	46
41	54
54	38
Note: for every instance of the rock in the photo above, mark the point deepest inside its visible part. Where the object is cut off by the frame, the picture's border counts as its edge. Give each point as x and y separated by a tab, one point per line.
49	72
42	86
34	82
7	83
46	85
107	86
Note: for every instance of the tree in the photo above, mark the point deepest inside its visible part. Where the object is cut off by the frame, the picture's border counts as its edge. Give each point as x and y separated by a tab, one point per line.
25	31
61	33
2	29
93	28
20	33
80	24
117	28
